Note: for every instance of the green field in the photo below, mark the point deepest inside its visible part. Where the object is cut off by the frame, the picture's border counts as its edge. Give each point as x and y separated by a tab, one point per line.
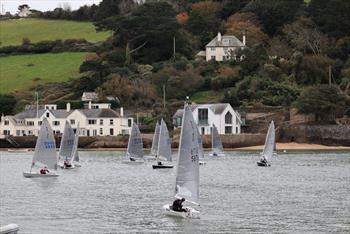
208	96
21	72
12	32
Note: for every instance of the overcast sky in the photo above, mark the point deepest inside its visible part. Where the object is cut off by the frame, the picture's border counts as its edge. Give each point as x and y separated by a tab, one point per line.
43	5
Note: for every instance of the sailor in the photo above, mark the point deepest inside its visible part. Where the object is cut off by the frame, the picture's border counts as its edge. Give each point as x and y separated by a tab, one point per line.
66	164
43	171
160	163
177	205
132	159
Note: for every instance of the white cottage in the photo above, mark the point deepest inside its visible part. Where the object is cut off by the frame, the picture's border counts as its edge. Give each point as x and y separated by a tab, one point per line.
222	115
224	47
92	122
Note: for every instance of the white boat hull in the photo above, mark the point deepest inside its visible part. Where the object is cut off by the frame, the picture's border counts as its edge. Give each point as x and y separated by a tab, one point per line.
76	164
191	212
11	228
202	163
36	174
18	150
216	154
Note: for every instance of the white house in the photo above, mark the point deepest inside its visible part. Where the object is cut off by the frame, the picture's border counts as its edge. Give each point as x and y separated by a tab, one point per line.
89	96
224	47
92	122
222	115
24	12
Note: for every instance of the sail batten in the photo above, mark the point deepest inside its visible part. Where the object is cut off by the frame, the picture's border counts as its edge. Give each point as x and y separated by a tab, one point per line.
216	141
135	146
45	148
164	143
187	177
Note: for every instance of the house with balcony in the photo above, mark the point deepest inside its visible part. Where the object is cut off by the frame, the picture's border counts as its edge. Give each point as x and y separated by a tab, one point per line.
222	115
95	120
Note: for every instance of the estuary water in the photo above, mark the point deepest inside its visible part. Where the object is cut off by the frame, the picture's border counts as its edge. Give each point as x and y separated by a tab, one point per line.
302	192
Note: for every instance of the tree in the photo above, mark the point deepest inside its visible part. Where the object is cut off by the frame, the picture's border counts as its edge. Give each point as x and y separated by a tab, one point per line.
274	13
230	7
106	9
22	7
246	23
332	16
7	104
322	100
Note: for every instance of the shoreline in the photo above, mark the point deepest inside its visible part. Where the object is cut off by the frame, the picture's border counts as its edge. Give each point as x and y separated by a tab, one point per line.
279	147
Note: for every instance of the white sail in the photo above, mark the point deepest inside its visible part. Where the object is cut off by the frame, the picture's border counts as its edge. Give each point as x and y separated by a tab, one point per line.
216	141
135	146
155	140
75	147
269	142
200	145
67	143
164	144
187	177
45	148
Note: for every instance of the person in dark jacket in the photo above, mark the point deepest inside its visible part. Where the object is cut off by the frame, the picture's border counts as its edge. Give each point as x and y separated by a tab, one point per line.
177	205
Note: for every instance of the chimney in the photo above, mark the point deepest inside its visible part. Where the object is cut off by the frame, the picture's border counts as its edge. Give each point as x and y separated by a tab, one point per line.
219	37
68	106
244	39
89	104
121	111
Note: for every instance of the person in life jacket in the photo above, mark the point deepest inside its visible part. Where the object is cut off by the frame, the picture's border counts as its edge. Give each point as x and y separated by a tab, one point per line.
66	164
177	205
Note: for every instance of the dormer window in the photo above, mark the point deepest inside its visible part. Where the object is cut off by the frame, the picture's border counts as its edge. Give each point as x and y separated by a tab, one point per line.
47	114
226	42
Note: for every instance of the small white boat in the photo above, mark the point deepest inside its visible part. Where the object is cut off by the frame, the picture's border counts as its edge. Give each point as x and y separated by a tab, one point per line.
163	154
187	176
134	154
269	147
17	150
45	156
11	228
66	148
217	149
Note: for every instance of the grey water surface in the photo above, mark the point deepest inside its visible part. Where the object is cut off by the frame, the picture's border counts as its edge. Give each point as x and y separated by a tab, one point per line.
302	192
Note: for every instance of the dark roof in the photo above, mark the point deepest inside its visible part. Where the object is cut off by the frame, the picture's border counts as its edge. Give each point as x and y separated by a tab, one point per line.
99	113
232	41
32	113
217	108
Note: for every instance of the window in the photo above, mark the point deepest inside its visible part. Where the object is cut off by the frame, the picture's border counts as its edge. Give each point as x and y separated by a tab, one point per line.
101	131
129	122
56	123
237	130
94	132
178	121
203	116
111	131
101	121
212	48
6	132
92	121
228	118
18	132
47	115
225	42
6	122
40	123
212	57
30	133
30	123
228	130
72	121
111	121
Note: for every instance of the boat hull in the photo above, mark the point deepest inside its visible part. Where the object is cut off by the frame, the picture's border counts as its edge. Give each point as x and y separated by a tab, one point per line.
162	166
76	164
262	164
9	229
36	174
132	162
191	212
202	163
216	154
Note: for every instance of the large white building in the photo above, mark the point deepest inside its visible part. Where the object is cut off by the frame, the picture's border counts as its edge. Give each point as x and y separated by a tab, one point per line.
223	48
222	115
93	121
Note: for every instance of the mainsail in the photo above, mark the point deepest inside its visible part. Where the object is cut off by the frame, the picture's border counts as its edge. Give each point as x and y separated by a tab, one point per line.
216	141
67	143
135	146
269	142
155	140
75	152
164	144
187	177
45	148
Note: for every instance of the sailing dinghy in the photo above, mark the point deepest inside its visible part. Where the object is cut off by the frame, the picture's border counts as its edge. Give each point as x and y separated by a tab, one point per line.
270	145
164	148
201	152
134	152
155	141
217	149
187	176
45	157
66	147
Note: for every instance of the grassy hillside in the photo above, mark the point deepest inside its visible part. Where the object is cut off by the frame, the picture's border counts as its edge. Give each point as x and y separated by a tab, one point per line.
13	31
21	72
